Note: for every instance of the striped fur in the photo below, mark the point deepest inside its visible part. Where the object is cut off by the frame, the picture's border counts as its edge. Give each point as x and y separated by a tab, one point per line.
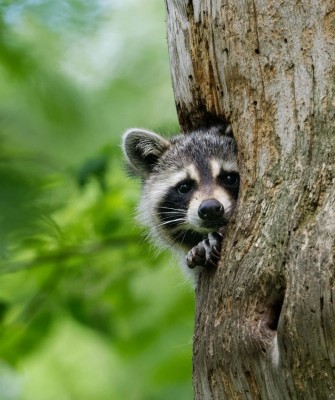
180	176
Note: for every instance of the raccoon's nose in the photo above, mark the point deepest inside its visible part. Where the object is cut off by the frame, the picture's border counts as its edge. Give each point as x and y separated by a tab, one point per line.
210	210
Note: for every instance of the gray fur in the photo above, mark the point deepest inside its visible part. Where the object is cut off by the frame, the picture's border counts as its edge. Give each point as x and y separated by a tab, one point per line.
189	158
141	147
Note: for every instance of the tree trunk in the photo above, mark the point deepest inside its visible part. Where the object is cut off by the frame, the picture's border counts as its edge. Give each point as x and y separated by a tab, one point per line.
265	321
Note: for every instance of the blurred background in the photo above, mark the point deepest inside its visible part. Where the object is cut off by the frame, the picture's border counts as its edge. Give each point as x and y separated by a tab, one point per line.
88	310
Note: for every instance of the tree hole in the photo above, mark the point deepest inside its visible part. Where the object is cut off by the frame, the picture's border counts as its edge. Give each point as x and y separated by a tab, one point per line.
271	314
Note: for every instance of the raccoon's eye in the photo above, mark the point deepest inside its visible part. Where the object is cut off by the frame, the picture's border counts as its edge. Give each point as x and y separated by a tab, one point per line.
185	187
230	179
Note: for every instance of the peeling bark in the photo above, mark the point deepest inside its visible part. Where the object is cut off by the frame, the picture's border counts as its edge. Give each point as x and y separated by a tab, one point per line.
265	321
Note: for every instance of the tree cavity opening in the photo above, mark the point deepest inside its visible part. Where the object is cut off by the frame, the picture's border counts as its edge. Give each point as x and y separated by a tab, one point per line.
272	311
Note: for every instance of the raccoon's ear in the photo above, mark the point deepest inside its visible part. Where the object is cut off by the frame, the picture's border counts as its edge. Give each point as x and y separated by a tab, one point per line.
143	149
224	128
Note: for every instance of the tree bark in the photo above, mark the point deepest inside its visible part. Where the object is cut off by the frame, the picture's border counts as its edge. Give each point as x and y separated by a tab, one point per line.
265	321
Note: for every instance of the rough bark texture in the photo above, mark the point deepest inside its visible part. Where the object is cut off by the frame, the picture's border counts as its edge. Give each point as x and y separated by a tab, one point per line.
269	67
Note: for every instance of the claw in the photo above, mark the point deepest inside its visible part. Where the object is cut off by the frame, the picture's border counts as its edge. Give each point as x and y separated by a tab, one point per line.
212	263
206	253
201	252
216	251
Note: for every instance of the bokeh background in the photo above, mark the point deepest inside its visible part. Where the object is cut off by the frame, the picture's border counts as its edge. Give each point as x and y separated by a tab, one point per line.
88	310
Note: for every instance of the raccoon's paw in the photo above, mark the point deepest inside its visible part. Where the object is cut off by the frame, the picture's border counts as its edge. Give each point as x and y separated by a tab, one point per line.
205	254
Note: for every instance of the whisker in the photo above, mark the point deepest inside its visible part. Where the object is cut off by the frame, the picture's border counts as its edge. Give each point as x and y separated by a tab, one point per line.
168	217
172	212
174	240
171	222
171	208
183	238
182	233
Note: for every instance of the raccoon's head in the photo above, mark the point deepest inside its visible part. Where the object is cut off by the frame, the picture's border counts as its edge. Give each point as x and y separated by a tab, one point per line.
190	183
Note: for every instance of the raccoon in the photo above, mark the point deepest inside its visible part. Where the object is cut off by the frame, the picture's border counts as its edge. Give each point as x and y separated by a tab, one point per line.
190	188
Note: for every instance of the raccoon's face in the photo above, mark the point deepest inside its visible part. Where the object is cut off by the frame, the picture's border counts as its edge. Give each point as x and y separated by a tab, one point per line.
190	184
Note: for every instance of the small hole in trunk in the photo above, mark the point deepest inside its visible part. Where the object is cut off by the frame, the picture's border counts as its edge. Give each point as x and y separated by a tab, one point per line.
272	312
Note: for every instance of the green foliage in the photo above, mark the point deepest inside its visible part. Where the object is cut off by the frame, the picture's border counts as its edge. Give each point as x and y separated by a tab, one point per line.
87	308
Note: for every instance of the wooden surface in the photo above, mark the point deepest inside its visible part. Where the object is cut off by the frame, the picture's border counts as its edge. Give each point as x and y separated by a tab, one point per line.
269	68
